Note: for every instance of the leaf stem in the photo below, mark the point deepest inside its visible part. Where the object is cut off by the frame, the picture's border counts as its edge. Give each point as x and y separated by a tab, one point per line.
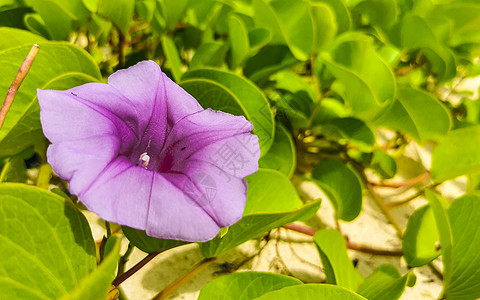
107	228
175	285
350	245
21	74
44	176
406	183
117	281
124	259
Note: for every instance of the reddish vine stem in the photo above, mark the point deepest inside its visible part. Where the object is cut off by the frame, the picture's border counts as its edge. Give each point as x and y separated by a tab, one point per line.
22	73
135	268
350	245
175	285
406	183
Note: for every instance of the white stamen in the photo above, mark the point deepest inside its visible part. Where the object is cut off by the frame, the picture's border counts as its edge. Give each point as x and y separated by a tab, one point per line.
145	159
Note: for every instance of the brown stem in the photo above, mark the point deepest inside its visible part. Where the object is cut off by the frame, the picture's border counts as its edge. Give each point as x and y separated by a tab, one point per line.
172	287
22	73
405	201
350	245
406	183
121	44
135	268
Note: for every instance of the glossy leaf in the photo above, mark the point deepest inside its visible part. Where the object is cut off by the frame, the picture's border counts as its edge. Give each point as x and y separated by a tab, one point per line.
437	203
296	33
457	154
254	224
12	37
282	156
120	12
14	170
342	14
245	286
312	292
324	25
342	187
385	283
356	65
57	66
59	15
146	243
420	238
96	285
173	10
383	164
266	184
336	263
47	240
210	54
269	60
418	114
252	101
464	216
173	57
239	41
353	131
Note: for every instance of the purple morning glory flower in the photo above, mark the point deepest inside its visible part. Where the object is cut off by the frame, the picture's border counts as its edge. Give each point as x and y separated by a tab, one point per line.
141	152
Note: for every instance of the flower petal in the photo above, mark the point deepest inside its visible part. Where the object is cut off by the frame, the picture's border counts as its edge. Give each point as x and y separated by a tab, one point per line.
199	130
195	205
121	194
85	137
236	156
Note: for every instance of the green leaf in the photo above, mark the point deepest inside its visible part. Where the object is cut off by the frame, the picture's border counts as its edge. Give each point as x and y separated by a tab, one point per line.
210	54
35	24
324	25
239	41
245	286
252	101
96	285
57	66
341	185
418	114
173	58
146	243
14	170
282	156
377	12
265	185
420	238
457	154
173	10
60	17
442	222
342	14
356	65
385	283
12	37
353	131
464	20
383	164
290	23
312	292
47	241
120	12
14	17
145	9
338	266
464	216
255	224
269	60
